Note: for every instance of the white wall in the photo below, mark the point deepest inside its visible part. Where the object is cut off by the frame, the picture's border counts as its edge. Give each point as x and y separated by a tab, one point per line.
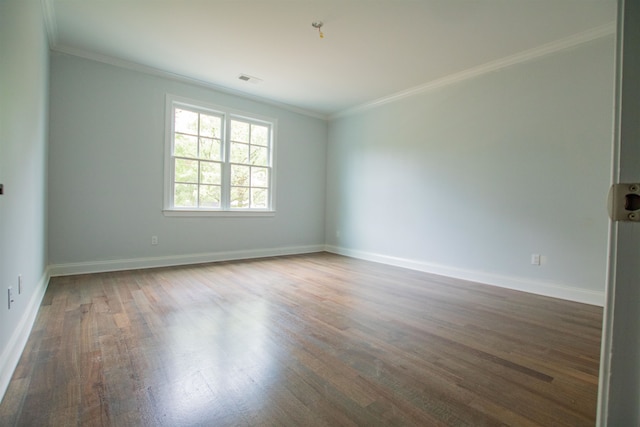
23	169
471	179
106	175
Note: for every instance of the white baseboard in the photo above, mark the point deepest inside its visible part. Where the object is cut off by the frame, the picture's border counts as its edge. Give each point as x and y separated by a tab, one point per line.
516	283
173	260
10	355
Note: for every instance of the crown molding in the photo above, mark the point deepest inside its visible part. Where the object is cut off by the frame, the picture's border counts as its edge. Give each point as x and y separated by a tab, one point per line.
50	23
528	55
145	69
518	58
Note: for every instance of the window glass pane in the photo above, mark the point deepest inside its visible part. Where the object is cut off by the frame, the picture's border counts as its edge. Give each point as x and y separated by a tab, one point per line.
186	121
186	170
209	196
210	126
239	153
185	195
259	177
210	173
185	145
218	160
239	197
240	175
239	131
259	134
259	198
210	149
259	156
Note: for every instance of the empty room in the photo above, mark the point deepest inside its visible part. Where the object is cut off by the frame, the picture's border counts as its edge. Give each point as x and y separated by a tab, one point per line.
319	213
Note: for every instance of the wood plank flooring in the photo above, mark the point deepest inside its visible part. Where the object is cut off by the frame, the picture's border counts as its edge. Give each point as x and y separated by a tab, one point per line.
310	340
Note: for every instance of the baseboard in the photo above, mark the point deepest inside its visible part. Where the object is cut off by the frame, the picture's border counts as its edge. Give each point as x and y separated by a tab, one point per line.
173	260
10	355
550	289
516	283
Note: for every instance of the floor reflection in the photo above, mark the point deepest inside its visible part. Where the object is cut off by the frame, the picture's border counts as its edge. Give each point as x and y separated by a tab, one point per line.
224	359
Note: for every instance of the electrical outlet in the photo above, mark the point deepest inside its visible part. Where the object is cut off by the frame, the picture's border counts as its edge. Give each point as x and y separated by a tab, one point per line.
154	240
10	295
19	284
535	259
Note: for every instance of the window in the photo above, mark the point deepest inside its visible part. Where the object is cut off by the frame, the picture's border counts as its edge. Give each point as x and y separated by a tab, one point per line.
217	160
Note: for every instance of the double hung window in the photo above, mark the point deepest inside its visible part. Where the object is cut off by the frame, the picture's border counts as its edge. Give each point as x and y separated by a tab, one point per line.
218	160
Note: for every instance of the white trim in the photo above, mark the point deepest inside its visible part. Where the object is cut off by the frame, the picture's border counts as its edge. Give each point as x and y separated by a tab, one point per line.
208	107
50	22
173	260
546	49
527	55
606	346
226	115
168	149
218	213
134	66
549	289
10	356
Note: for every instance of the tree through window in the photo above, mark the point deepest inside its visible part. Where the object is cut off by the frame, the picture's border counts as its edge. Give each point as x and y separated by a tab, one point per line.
218	160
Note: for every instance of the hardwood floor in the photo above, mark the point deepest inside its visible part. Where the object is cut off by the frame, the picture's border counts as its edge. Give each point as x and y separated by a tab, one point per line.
311	340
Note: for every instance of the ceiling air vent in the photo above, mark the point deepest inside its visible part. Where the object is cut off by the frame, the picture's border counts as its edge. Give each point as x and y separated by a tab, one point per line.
250	79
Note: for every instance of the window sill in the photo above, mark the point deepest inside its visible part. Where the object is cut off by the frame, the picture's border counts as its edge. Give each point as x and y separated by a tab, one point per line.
217	213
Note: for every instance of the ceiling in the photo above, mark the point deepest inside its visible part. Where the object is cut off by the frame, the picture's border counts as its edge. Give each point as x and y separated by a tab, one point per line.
372	49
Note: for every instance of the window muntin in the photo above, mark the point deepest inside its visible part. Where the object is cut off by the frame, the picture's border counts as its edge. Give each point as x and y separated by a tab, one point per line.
197	159
219	161
249	162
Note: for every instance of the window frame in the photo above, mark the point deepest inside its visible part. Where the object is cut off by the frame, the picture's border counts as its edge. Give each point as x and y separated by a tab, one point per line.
227	115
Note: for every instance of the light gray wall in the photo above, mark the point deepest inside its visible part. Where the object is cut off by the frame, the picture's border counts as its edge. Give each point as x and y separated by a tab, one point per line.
23	169
106	171
473	178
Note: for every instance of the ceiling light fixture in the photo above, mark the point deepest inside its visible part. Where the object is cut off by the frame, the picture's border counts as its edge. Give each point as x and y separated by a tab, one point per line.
318	25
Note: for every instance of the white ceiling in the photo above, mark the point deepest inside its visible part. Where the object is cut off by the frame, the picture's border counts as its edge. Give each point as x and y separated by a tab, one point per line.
372	49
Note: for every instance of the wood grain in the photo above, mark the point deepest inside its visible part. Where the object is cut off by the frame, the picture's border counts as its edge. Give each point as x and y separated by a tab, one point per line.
311	340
